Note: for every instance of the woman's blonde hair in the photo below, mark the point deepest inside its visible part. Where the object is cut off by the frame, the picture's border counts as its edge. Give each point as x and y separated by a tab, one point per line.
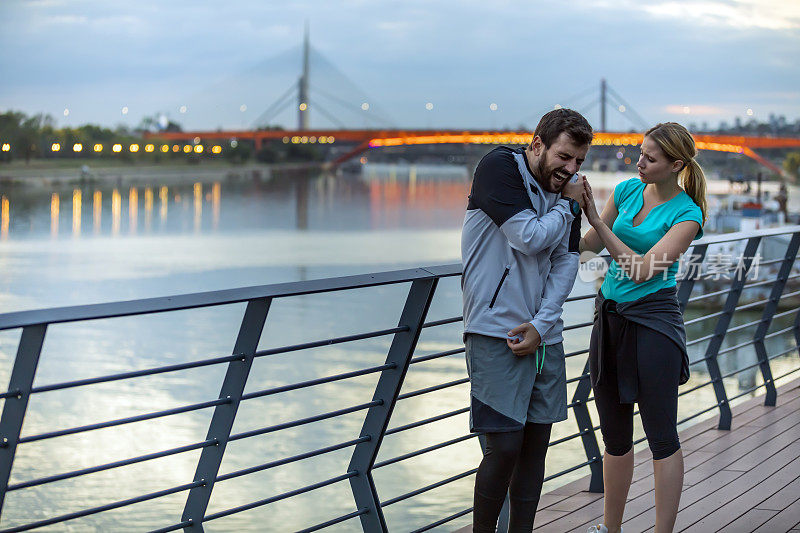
678	144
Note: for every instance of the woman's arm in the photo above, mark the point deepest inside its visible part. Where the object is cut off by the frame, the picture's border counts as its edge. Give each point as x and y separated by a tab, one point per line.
656	260
591	241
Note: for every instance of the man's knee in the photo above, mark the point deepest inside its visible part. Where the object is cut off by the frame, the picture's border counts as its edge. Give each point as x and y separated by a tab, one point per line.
504	447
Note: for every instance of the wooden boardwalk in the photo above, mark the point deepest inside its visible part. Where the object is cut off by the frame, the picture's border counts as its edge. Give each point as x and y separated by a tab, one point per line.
742	480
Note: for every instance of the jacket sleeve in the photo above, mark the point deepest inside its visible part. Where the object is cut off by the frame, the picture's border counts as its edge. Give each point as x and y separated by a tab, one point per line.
498	189
564	263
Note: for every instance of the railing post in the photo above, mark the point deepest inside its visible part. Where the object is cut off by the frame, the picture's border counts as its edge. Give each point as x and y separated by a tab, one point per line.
586	428
697	257
766	319
28	351
740	276
224	414
388	387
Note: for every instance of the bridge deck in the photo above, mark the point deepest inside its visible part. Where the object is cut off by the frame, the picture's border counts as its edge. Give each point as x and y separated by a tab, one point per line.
746	479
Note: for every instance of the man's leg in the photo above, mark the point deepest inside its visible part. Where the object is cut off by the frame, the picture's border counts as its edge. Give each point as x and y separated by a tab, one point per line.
526	483
493	477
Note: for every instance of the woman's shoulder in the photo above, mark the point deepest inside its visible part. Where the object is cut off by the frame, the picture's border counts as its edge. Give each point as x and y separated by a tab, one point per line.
623	189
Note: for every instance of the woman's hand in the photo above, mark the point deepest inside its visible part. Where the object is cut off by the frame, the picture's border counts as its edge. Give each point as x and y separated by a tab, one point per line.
588	205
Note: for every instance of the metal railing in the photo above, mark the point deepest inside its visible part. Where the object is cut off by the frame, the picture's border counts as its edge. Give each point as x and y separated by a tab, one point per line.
368	504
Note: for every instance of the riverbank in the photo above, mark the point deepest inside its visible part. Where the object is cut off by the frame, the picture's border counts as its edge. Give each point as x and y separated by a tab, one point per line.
45	173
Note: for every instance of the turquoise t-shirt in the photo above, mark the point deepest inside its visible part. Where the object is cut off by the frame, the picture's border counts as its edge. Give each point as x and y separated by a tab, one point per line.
628	198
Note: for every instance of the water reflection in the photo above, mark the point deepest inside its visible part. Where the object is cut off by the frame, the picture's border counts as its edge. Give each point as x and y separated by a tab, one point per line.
116	211
133	210
76	213
5	217
97	210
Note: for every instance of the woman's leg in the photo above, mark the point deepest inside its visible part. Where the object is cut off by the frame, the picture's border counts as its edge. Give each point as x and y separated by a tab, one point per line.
669	483
659	375
493	476
526	483
616	425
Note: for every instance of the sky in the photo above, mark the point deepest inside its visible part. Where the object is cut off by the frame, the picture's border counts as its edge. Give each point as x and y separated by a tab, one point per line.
416	63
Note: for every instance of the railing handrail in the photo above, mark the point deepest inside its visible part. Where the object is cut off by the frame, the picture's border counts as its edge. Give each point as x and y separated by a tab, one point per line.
180	302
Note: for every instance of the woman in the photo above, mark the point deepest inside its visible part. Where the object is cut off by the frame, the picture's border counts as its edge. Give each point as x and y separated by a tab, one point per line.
637	351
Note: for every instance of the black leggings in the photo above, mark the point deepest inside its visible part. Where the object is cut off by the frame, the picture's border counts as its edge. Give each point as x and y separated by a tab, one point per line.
659	369
513	463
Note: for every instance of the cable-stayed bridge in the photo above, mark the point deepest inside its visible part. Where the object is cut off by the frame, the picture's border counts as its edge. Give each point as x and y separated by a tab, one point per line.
342	102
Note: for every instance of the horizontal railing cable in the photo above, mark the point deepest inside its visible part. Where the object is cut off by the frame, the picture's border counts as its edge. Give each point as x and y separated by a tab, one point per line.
334	521
425	421
304	421
422	358
330	342
442	322
135	374
318	381
128	420
292	459
427	488
421	451
279	497
443	521
173	527
115	464
700	386
433	388
571	469
102	508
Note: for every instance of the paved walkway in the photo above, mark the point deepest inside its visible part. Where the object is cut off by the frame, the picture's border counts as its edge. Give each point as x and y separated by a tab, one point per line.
743	480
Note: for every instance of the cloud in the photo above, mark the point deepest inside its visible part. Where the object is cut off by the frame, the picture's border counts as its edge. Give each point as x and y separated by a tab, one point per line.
762	14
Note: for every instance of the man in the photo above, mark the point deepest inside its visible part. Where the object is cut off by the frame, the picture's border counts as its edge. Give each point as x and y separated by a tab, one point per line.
519	248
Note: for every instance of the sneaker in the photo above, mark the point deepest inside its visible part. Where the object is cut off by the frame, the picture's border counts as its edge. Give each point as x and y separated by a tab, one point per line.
599	528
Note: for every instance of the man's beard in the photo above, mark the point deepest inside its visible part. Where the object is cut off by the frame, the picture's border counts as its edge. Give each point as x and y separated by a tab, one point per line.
545	176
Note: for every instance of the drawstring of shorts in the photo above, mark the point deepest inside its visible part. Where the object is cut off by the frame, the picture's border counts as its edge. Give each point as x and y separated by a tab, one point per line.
540	363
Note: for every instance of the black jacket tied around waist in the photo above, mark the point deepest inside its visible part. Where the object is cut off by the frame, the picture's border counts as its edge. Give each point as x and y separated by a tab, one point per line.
658	311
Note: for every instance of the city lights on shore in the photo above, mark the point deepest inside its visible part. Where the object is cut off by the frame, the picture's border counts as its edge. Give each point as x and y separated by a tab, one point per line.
55	147
117	148
77	147
6	147
98	147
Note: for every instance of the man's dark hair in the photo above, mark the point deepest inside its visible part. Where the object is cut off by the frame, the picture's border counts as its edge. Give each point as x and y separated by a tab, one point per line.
557	121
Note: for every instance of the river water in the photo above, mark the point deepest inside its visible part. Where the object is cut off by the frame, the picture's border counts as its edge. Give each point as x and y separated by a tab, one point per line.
65	243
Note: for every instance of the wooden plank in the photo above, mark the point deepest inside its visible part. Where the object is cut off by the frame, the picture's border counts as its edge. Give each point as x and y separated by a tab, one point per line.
775	436
787	519
696	512
783	498
576	501
647	519
749	521
724	458
751	497
758	413
545	515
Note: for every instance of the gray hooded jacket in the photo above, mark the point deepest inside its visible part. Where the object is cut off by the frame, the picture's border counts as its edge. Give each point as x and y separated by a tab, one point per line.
519	248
